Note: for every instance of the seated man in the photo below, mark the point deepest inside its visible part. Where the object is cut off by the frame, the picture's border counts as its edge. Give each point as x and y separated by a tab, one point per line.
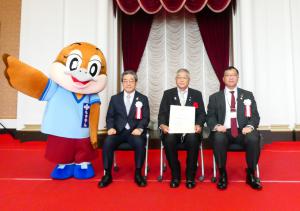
185	96
233	118
127	120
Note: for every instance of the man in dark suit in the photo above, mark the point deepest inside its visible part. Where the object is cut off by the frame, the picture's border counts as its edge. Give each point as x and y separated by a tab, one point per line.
232	117
185	96
127	120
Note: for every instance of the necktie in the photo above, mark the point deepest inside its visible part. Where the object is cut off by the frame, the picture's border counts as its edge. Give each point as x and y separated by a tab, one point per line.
234	130
127	104
181	98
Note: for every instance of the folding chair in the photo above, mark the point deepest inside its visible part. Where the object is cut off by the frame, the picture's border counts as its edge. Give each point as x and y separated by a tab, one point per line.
127	147
235	148
180	147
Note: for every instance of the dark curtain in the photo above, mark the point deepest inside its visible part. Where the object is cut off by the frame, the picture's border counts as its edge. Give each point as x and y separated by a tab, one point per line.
130	7
135	32
215	30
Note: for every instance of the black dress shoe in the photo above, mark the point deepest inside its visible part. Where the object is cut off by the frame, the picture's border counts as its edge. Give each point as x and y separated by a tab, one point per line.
139	180
253	181
190	184
105	181
174	183
222	183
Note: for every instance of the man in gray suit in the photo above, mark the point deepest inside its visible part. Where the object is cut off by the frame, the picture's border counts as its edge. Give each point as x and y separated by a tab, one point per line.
232	117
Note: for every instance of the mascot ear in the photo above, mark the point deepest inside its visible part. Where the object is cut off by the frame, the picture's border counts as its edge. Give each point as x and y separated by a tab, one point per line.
103	67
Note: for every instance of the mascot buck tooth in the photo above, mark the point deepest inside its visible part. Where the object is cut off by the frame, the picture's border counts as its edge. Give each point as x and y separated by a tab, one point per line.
73	107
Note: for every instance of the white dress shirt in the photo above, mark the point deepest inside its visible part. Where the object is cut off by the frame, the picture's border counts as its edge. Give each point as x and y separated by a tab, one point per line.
125	102
227	122
185	94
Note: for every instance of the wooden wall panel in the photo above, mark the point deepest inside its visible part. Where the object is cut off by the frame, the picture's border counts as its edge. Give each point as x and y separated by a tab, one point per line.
10	18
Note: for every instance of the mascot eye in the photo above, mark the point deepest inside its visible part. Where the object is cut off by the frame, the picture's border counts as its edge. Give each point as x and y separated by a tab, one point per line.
94	66
74	64
94	69
74	60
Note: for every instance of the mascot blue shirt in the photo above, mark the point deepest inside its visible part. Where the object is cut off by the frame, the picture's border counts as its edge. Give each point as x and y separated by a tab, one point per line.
65	115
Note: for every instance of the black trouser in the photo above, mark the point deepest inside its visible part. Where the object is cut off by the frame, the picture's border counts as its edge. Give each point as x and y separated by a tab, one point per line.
250	142
191	142
112	142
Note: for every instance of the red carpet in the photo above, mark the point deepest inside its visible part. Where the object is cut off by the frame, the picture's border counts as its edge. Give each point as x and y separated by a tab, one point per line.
25	183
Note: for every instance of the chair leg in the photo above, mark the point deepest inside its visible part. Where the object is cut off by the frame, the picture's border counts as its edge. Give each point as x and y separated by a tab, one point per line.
146	159
116	167
257	172
214	178
160	177
201	178
164	163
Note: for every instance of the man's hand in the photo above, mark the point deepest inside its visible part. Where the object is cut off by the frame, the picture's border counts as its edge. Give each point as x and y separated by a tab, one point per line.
164	128
111	131
136	132
220	128
198	129
247	130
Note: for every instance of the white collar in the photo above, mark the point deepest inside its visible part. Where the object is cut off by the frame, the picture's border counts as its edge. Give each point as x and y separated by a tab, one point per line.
227	90
131	94
184	91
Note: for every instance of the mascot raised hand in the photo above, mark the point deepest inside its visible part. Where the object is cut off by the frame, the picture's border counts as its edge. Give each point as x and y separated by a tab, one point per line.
73	105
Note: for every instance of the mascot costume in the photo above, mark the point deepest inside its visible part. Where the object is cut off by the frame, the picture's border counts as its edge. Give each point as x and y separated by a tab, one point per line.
73	105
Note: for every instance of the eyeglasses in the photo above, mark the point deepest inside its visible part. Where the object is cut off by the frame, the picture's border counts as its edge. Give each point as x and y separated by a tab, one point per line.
128	81
182	78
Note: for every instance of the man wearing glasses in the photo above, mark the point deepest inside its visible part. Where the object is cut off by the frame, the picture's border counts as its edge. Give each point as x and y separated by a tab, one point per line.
232	117
127	120
184	96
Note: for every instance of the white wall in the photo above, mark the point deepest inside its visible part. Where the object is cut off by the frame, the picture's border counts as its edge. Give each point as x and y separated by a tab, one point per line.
266	51
48	26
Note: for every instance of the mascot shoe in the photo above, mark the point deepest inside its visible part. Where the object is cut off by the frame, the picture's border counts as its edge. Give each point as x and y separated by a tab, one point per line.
84	170
62	171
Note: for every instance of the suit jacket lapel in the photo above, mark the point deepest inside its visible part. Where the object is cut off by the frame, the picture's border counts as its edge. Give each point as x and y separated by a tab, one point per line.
188	101
175	97
132	108
240	110
223	105
122	103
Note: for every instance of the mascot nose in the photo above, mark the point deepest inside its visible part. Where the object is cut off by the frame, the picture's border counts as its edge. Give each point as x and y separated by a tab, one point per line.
81	75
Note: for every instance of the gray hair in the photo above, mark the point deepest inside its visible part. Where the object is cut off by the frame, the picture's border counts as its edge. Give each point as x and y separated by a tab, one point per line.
130	72
183	70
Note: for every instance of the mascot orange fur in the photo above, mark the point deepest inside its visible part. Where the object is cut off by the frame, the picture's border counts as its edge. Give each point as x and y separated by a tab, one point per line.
73	105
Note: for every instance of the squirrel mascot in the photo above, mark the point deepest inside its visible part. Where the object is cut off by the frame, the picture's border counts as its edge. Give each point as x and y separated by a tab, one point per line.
73	105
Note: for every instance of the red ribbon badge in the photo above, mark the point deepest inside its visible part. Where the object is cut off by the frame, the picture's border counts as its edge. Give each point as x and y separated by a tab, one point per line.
196	105
247	110
138	111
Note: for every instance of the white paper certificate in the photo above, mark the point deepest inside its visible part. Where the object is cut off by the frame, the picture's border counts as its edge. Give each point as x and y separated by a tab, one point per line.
182	119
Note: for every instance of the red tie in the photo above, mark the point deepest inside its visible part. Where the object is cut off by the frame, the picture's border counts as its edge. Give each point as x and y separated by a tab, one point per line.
234	130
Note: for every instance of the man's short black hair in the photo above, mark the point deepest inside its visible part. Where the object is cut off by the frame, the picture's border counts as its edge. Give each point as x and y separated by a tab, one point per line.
232	68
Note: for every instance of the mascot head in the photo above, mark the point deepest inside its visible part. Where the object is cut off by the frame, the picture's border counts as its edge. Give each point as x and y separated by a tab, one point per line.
80	68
